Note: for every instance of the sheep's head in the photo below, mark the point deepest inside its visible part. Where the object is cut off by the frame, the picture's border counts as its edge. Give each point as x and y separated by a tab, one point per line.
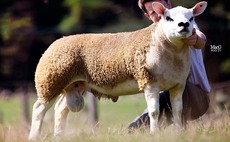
178	22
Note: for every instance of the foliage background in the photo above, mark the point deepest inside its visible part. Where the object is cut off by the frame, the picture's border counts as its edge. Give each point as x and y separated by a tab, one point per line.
27	27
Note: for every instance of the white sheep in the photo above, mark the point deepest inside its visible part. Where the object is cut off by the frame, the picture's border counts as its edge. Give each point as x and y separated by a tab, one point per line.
149	60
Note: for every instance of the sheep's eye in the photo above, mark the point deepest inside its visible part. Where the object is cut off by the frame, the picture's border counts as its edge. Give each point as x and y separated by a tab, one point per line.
169	19
191	19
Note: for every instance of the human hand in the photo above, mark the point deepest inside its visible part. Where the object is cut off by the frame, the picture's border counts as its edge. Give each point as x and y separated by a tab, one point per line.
197	39
191	40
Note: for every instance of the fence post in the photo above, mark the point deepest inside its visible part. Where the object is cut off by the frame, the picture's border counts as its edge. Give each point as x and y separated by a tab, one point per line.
25	104
92	109
1	117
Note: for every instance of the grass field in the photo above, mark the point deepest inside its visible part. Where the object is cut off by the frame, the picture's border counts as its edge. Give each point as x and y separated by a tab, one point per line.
112	127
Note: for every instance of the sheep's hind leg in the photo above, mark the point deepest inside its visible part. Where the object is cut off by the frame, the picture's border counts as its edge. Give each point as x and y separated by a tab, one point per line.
71	100
60	116
39	110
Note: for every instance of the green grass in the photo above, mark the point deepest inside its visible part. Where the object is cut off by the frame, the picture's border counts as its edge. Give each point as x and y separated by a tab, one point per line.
10	111
112	127
125	110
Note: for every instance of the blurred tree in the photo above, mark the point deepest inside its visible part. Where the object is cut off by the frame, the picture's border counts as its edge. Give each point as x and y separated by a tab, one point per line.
76	9
16	26
47	15
27	27
216	25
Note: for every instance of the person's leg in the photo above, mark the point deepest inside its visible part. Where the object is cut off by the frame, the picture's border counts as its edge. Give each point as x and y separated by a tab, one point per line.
165	117
141	121
195	102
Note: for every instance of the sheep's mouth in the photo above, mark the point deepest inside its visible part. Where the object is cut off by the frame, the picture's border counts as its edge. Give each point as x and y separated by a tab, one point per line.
184	31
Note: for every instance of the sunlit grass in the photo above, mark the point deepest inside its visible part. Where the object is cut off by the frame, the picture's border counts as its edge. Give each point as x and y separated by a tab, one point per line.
10	110
112	127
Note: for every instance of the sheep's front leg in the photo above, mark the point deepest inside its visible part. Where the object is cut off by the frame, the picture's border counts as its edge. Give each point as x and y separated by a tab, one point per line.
152	99
177	104
60	116
39	110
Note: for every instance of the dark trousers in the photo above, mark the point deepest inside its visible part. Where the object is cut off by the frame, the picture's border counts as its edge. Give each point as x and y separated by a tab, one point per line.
195	103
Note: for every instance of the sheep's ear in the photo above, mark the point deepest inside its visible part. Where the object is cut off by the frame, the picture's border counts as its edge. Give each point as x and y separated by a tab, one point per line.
158	8
199	8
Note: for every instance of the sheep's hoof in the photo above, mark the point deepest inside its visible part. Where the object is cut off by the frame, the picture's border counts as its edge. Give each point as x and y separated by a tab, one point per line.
75	101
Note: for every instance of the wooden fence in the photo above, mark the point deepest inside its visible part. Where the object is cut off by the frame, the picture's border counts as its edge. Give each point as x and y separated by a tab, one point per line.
220	97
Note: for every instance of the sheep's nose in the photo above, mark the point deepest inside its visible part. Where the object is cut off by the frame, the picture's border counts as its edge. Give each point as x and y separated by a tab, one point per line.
183	24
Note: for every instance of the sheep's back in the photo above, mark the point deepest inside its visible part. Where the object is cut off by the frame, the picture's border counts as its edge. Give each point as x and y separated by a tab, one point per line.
104	59
113	58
